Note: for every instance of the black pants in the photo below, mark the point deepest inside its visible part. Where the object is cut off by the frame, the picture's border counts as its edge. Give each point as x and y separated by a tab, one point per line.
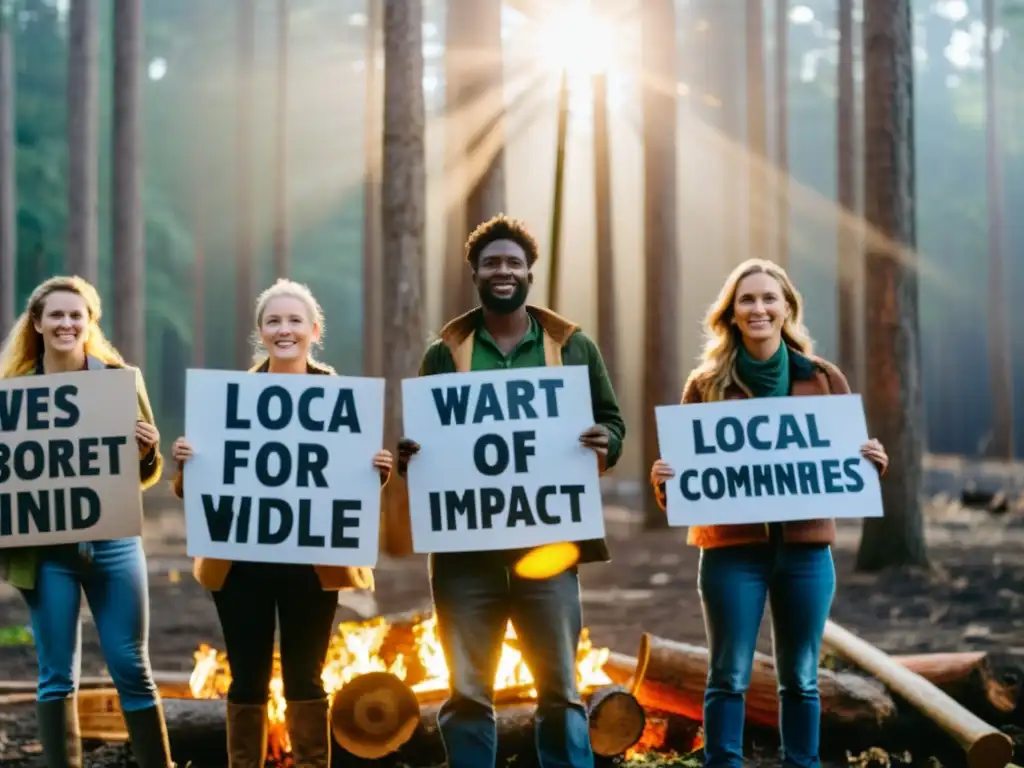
252	598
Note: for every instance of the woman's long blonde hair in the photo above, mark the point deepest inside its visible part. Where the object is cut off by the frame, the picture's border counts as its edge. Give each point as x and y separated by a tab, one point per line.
292	290
23	347
717	369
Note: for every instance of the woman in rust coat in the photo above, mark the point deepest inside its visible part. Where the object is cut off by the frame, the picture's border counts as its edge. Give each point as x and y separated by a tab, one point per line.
757	346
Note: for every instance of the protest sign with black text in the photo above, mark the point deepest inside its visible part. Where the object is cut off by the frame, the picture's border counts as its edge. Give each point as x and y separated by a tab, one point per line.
766	460
69	463
500	464
282	471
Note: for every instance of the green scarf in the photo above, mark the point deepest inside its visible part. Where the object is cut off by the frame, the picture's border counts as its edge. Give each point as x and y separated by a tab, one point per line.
765	378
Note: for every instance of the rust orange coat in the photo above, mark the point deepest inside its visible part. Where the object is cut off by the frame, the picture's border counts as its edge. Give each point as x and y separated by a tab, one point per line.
809	375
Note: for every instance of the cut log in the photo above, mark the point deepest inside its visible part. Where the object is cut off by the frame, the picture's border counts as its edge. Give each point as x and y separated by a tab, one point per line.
986	747
671	677
374	715
617	720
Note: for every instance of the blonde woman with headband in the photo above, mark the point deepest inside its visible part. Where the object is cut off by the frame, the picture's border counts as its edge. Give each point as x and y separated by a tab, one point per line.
251	596
757	346
59	332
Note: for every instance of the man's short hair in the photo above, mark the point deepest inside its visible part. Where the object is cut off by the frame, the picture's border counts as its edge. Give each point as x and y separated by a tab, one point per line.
501	227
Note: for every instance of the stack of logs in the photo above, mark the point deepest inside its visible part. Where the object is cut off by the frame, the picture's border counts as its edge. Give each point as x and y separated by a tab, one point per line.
935	704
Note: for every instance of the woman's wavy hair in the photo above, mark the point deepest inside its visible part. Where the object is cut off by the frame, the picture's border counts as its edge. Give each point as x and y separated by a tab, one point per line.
717	369
23	347
292	290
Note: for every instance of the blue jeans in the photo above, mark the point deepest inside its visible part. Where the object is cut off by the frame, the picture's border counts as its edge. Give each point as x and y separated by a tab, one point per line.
116	586
799	582
475	595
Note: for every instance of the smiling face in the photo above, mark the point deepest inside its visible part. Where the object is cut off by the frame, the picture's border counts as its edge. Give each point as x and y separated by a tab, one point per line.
760	309
287	329
502	276
63	323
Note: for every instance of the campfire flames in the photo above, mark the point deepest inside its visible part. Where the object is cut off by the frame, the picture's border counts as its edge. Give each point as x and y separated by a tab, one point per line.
414	657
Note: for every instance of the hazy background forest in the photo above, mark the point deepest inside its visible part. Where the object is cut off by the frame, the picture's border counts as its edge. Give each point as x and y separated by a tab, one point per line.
189	134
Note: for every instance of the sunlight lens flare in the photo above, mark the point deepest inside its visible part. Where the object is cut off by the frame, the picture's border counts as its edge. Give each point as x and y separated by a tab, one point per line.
577	41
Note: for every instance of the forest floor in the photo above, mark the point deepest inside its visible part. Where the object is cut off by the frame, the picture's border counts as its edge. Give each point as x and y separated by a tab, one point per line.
971	599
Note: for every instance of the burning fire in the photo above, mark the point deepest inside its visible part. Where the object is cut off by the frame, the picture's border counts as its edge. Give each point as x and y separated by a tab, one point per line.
412	653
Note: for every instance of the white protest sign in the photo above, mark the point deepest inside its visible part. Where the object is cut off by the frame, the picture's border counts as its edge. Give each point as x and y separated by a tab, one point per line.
500	463
767	460
69	463
282	471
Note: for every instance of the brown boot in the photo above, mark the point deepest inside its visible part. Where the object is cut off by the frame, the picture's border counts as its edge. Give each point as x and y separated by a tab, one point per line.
147	731
309	733
247	735
58	733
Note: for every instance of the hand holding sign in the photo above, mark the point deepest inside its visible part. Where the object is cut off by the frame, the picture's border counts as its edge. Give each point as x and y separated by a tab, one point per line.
661	472
596	438
874	452
767	460
147	436
288	468
181	451
505	461
406	450
383	461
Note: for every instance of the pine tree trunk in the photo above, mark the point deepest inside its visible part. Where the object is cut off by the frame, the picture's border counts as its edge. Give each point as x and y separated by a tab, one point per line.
892	393
244	278
282	266
197	182
8	191
757	138
403	196
848	267
129	223
83	145
661	258
1000	364
782	128
604	233
374	128
474	131
725	45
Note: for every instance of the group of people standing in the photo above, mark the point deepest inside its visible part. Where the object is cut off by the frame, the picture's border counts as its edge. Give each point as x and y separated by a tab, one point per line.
757	346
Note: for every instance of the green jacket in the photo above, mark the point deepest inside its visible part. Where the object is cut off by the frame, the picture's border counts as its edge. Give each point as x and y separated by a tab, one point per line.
564	344
18	566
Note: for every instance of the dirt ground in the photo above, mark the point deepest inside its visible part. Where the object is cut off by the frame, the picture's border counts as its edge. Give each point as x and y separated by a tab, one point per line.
973	598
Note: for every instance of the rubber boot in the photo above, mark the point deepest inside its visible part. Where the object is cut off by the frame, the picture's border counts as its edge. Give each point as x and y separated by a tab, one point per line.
247	735
309	733
147	733
59	734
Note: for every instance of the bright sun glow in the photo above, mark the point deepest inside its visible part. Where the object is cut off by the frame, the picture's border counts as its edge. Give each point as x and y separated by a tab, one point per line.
577	41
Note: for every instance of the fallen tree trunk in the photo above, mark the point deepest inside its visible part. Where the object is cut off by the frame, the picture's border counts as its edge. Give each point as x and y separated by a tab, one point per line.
671	677
197	728
991	685
984	745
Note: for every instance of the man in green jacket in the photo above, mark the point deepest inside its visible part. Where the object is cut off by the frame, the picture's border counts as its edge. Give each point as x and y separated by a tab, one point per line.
476	593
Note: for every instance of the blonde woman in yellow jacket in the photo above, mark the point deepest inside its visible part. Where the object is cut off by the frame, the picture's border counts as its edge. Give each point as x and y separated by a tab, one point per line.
250	596
59	332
